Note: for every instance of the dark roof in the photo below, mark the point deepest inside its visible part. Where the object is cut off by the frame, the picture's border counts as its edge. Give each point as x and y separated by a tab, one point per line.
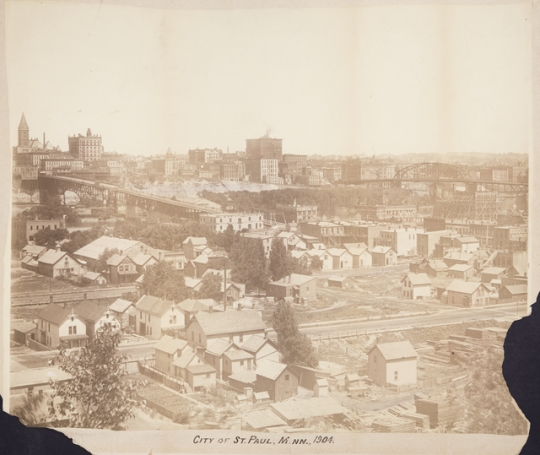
24	327
90	310
231	321
54	313
170	345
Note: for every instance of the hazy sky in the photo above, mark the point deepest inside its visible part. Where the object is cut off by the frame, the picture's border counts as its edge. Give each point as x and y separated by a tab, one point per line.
383	79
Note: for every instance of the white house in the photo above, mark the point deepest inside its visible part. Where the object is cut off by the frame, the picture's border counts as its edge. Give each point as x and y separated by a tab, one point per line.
392	363
415	286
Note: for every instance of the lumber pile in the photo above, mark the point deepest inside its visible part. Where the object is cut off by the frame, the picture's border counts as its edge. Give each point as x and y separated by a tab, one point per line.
392	424
441	411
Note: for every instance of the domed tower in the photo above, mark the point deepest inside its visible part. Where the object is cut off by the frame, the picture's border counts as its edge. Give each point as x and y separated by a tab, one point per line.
24	133
88	133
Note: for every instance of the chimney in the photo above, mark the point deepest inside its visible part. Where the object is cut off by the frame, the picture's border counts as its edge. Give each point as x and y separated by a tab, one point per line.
248	392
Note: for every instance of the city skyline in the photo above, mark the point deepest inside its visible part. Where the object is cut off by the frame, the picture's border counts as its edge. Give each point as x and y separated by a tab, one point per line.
331	82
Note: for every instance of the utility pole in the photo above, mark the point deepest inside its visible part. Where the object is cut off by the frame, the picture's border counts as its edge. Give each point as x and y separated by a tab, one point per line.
225	284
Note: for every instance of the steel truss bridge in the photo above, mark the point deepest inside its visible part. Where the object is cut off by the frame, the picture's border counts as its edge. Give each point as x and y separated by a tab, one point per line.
441	173
113	196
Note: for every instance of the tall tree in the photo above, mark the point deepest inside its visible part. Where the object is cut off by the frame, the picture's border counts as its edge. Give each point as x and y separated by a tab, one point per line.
48	237
162	280
249	263
211	287
279	266
295	346
97	395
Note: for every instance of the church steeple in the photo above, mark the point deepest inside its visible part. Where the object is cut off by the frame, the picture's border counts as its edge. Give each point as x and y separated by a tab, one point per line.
24	133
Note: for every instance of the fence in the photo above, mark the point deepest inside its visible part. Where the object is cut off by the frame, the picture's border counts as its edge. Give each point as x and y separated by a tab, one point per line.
163	378
35	345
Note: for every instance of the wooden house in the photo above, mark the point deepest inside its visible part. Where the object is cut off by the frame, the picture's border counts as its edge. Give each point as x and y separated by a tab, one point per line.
276	378
154	314
57	324
231	325
300	287
383	255
416	286
392	363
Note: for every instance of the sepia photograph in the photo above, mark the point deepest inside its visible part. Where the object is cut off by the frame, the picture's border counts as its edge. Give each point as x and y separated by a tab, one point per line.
239	227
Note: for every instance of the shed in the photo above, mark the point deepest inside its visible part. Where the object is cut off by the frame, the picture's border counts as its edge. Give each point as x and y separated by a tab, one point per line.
320	389
24	331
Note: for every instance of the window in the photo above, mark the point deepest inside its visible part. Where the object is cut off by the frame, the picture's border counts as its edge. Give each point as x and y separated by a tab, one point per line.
241	338
241	363
172	319
230	339
74	330
70	330
207	375
199	337
49	327
395	375
140	314
286	377
192	336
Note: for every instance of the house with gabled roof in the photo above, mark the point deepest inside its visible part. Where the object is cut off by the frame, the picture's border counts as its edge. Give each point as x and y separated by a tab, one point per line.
142	261
231	325
56	263
124	311
467	293
155	314
92	252
235	360
214	354
276	378
415	286
261	348
190	307
392	363
436	268
492	273
96	317
513	293
341	258
361	257
294	285
93	279
192	368
192	246
122	269
457	257
58	324
167	350
462	271
383	255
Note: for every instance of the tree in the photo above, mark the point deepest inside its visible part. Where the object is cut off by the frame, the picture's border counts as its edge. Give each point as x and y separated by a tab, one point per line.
48	237
489	406
295	346
249	263
162	280
279	266
33	410
78	239
211	287
97	396
316	263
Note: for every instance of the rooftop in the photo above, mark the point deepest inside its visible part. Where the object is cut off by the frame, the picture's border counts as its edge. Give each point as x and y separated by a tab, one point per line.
52	257
294	279
230	321
418	279
96	248
304	409
270	369
396	350
170	345
120	305
465	287
154	305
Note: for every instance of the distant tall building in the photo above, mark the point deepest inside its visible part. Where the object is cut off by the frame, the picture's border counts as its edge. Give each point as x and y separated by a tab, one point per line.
86	148
351	170
264	148
24	133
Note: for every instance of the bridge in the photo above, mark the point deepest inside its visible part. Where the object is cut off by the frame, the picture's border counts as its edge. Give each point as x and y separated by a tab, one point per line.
113	195
440	173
